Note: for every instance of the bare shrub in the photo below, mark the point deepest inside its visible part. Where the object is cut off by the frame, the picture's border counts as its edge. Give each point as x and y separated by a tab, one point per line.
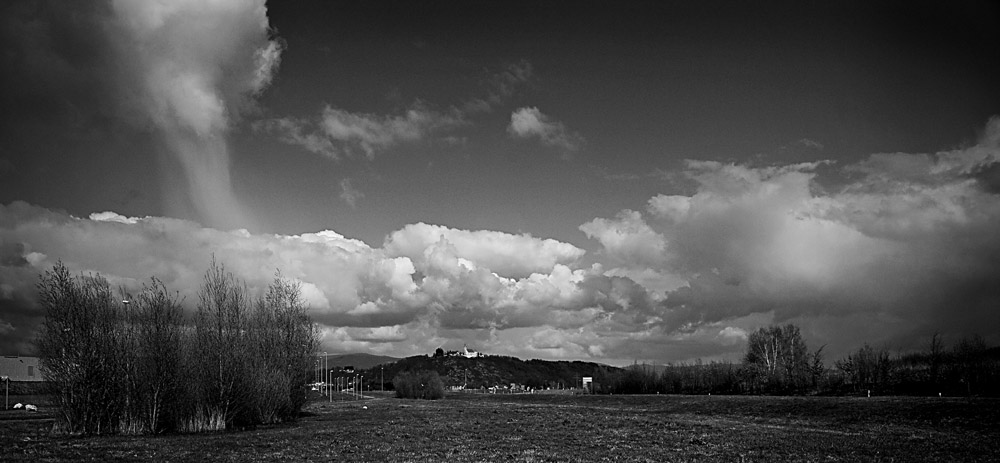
155	321
220	343
119	364
81	348
284	342
202	420
421	384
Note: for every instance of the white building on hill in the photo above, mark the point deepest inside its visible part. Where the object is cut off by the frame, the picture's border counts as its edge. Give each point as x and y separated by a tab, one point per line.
470	354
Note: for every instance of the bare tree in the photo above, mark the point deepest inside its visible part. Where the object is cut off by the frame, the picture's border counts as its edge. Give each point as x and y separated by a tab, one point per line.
81	349
868	368
971	362
777	357
218	356
936	358
158	320
285	342
817	367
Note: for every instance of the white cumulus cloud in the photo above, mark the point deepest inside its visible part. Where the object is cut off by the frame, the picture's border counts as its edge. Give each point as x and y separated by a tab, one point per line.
503	253
338	133
529	122
628	239
903	247
423	284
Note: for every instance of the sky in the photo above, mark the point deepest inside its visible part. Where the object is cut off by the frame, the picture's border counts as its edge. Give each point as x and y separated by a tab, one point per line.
592	180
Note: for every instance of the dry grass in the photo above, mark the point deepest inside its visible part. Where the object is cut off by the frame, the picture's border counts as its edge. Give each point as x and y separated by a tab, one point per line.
535	428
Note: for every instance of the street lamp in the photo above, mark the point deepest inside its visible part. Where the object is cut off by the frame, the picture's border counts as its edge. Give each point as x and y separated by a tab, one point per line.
329	390
6	390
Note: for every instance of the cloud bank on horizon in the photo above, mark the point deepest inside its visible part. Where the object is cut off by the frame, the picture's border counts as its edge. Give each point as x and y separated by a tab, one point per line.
904	247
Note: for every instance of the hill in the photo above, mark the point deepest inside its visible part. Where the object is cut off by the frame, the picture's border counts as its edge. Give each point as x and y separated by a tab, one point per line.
358	361
495	370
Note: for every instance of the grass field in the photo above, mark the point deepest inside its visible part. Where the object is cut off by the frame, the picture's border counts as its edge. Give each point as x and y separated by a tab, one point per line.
535	428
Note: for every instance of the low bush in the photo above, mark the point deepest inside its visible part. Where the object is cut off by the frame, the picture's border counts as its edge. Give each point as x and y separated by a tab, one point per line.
422	384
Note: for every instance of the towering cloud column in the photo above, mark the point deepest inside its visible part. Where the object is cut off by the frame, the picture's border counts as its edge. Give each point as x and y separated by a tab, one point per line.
193	66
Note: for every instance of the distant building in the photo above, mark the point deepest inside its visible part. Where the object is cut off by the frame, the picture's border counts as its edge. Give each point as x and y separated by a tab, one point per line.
347	369
20	368
465	352
470	354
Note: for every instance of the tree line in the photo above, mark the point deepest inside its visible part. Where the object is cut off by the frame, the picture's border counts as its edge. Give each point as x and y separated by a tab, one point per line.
777	361
136	364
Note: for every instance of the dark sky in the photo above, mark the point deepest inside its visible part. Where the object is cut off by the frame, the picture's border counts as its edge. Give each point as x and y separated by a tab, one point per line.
613	180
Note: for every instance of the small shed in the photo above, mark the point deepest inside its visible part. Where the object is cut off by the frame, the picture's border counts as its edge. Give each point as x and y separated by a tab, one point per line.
20	368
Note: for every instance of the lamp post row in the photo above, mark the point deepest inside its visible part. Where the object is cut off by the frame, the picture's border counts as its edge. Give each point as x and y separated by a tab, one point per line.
358	383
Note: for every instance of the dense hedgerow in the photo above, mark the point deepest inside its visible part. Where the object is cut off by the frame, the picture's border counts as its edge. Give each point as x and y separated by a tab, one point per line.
134	364
421	384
